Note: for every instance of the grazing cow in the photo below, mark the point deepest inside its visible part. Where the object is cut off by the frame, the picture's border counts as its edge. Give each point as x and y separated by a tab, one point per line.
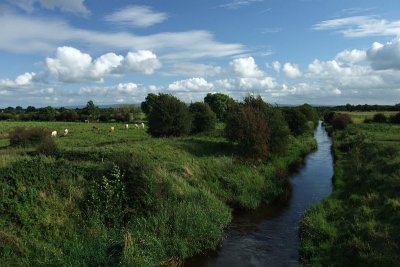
66	132
112	129
86	121
142	124
126	126
53	133
136	126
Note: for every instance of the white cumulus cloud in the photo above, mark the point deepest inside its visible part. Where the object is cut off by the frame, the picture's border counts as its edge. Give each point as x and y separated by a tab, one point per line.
291	70
351	56
71	65
74	6
192	84
245	68
137	16
22	80
276	65
385	56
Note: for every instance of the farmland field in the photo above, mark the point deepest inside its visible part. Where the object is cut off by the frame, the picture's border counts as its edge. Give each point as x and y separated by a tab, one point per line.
360	116
66	209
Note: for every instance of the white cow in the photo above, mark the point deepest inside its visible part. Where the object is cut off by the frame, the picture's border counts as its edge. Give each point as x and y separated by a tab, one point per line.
53	133
136	126
142	124
126	126
66	132
112	129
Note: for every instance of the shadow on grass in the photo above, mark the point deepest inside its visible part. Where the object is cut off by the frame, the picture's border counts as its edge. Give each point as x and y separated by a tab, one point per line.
205	148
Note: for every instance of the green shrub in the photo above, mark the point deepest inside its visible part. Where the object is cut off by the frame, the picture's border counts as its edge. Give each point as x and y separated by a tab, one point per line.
380	118
296	120
203	117
169	117
219	103
341	121
328	117
310	112
47	147
28	136
395	118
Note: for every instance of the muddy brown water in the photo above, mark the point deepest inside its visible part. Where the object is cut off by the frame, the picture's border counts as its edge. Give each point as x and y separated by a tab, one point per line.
268	236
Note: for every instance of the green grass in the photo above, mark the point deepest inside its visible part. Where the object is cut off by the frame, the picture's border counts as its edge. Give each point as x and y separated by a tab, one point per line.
359	117
358	224
52	212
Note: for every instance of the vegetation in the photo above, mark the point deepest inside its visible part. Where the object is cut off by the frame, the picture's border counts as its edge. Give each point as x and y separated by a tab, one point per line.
219	103
169	117
379	118
27	136
296	120
203	117
358	224
341	120
124	198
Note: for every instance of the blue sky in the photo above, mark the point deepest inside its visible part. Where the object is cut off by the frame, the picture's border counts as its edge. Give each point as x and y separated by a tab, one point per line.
63	53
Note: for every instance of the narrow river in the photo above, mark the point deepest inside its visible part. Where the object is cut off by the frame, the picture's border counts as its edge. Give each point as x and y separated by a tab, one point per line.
269	235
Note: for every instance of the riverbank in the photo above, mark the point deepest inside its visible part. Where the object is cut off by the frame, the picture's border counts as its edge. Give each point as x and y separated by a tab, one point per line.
358	224
70	209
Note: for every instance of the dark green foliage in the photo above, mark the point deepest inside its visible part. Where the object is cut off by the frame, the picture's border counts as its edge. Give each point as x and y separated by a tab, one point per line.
91	110
310	112
380	118
169	117
148	104
328	117
247	124
296	120
28	136
279	131
203	118
219	103
395	118
47	147
341	121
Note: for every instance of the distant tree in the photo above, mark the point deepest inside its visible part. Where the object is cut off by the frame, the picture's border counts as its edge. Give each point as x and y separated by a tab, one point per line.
328	117
91	110
19	109
341	121
128	113
203	118
310	112
395	118
296	120
147	105
380	118
47	114
219	103
169	116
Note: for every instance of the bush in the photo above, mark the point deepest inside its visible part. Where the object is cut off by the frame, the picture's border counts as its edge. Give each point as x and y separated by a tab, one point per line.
169	117
219	103
203	117
279	130
395	118
328	117
296	120
380	118
341	121
247	124
310	112
47	147
28	136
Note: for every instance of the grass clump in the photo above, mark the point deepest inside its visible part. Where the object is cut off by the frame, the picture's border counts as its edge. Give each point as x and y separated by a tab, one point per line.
27	136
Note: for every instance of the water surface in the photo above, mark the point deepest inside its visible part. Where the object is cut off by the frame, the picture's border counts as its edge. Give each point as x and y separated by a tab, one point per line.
269	235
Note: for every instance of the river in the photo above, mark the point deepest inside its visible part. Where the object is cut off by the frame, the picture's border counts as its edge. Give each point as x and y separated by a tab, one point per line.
269	235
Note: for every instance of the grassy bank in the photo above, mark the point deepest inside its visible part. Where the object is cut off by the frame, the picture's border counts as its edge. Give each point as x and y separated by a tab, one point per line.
358	224
126	198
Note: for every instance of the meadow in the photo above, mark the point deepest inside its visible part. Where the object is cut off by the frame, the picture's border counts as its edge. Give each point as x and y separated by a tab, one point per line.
358	224
360	116
75	209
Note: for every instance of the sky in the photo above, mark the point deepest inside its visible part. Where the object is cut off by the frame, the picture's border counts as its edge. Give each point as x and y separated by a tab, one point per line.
322	52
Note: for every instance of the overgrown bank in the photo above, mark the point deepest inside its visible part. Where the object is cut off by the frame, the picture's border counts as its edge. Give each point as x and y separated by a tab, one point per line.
358	224
125	198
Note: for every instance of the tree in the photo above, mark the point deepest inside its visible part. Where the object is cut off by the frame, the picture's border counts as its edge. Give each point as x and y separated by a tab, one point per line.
341	121
203	117
219	103
169	116
91	110
147	105
310	112
380	118
296	120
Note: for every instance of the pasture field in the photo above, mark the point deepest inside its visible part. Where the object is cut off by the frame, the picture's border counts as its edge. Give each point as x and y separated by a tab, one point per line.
360	116
358	224
168	199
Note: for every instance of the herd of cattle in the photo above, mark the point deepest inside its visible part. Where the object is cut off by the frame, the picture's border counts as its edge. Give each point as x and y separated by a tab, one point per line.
95	128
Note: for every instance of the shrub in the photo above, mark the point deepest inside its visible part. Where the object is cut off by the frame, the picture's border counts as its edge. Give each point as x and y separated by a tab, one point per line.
341	121
279	130
395	118
247	124
310	112
27	136
328	117
380	118
203	117
296	120
219	103
47	147
169	117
